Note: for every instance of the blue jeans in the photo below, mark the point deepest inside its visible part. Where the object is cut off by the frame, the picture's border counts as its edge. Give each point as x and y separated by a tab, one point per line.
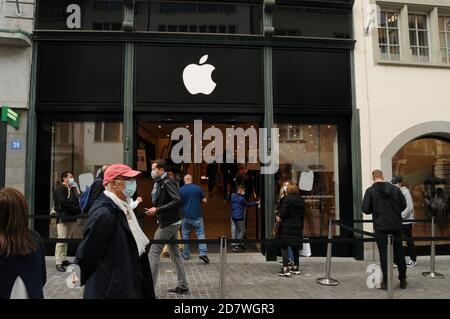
193	224
290	254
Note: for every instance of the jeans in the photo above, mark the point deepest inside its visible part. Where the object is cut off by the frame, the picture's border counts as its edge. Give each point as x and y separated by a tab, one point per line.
186	228
168	232
290	254
237	231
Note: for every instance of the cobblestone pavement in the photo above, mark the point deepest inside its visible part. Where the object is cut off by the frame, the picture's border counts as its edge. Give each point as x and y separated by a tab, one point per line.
250	276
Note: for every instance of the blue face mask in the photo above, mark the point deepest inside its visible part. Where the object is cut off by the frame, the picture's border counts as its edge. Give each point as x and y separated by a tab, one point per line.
130	188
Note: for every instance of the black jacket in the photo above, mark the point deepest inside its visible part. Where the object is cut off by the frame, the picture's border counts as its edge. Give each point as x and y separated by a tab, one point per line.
66	205
108	257
386	203
96	189
30	268
291	213
168	202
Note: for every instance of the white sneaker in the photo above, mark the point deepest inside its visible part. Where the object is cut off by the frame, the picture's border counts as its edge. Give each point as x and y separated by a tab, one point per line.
411	264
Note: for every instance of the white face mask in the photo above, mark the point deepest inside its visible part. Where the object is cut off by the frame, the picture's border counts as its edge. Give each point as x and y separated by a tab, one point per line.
71	181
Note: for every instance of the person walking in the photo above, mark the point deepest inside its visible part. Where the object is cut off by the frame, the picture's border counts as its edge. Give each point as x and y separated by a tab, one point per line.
407	216
385	202
67	209
291	228
167	209
22	252
192	196
113	255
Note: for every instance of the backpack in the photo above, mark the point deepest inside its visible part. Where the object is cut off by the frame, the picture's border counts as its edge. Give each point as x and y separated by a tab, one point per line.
84	198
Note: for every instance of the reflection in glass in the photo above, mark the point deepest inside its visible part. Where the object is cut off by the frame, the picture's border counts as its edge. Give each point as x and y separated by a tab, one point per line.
311	149
191	16
83	148
425	167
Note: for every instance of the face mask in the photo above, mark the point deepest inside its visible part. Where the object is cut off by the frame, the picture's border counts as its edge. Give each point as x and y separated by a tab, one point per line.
130	188
154	174
71	181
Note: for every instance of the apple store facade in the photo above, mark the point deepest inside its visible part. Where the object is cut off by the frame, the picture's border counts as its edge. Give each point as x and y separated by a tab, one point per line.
112	79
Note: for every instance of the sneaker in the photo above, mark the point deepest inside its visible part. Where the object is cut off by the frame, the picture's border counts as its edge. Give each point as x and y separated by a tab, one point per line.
66	263
403	284
291	264
178	291
295	270
411	264
60	268
237	249
283	273
204	258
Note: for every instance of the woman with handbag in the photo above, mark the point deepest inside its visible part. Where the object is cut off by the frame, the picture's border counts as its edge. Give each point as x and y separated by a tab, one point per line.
291	228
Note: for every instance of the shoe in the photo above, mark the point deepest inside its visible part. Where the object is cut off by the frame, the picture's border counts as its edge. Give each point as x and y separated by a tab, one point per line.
204	258
284	273
411	264
66	263
237	249
295	270
60	268
291	264
178	291
403	284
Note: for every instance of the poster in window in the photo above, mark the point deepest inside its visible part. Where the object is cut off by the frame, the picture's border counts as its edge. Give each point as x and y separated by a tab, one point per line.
142	161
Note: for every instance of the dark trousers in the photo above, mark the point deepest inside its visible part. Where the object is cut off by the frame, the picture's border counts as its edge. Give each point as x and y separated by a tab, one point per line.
399	257
285	255
407	232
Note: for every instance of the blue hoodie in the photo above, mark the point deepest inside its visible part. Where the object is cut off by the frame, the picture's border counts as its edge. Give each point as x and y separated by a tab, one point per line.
238	206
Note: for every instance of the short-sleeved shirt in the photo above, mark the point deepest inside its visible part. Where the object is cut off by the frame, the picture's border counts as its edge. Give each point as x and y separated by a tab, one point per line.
191	197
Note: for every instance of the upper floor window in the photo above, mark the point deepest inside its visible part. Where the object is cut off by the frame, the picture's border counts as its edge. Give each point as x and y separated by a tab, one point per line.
388	35
444	34
418	37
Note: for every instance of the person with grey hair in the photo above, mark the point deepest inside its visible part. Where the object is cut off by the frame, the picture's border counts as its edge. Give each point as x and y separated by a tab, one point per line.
192	196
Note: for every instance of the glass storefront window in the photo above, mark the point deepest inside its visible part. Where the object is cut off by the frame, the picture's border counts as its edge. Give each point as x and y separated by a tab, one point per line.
197	17
425	167
79	15
309	158
83	148
311	22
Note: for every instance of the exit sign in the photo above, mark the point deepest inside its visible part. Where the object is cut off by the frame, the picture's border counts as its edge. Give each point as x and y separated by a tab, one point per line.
10	117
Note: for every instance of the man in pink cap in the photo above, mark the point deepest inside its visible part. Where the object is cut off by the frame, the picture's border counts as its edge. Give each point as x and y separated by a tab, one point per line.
113	255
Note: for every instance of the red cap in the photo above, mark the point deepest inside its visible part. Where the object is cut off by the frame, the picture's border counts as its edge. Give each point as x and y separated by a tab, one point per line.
116	170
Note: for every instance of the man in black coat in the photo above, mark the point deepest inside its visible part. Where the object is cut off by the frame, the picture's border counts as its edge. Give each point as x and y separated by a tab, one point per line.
113	256
166	202
386	202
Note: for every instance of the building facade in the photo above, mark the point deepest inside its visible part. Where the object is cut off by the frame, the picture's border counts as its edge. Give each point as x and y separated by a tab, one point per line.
402	64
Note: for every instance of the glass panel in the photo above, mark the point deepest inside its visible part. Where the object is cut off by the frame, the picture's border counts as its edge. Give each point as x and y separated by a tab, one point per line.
393	37
83	155
394	53
414	52
93	15
383	51
448	23
442	39
112	132
413	38
200	17
382	18
422	22
423	38
448	56
448	40
441	23
425	167
412	21
312	22
392	18
424	55
444	56
382	38
309	158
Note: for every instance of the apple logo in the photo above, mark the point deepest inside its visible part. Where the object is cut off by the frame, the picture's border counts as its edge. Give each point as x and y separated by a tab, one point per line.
197	77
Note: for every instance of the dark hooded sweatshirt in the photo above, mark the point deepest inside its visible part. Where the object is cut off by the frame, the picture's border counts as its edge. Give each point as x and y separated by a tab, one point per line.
386	203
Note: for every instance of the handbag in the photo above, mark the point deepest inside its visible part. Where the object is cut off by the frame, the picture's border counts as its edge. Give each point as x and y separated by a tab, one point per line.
276	229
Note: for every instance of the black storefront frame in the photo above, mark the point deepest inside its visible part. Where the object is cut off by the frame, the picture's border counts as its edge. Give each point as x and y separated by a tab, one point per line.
162	39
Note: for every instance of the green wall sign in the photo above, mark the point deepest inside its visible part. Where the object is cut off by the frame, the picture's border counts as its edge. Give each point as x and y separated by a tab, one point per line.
10	117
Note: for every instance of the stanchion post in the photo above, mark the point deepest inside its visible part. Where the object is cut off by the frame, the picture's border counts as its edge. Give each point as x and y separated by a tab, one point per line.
390	266
223	262
432	273
328	281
